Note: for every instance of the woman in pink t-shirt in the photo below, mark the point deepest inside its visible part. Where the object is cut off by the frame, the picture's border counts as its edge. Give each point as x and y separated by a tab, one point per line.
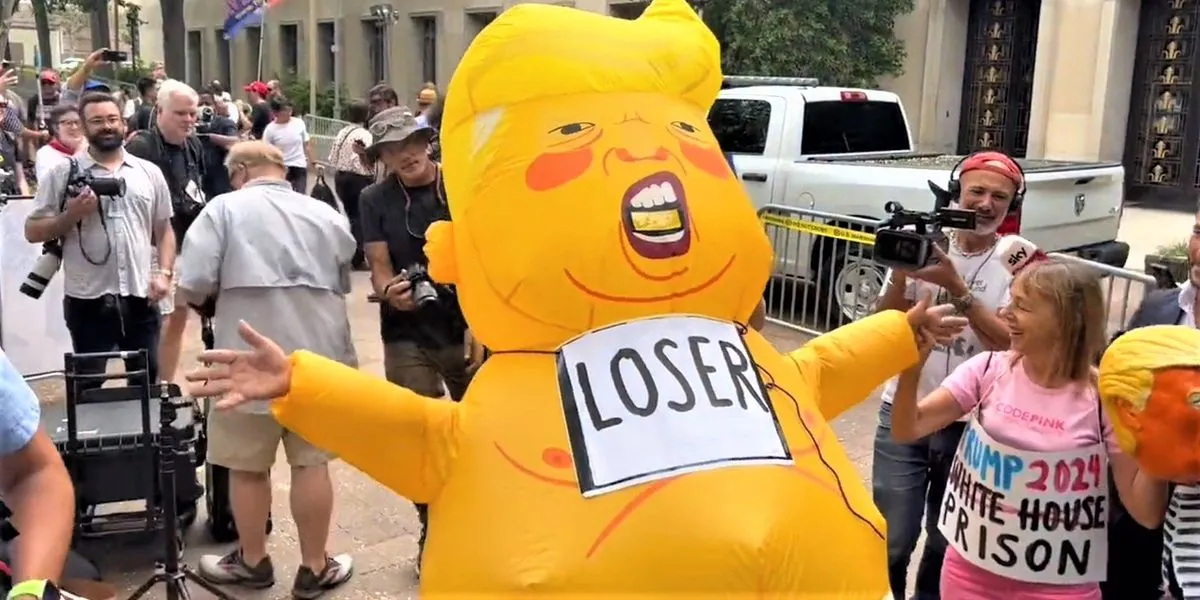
1037	397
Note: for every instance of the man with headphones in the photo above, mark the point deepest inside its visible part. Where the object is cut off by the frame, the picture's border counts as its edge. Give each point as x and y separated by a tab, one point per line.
910	479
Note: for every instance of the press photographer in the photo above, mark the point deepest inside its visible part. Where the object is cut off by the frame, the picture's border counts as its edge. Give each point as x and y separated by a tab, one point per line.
421	323
108	235
172	145
910	479
217	134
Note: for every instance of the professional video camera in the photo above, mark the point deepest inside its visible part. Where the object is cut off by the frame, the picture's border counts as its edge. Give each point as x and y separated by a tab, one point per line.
51	259
910	250
423	289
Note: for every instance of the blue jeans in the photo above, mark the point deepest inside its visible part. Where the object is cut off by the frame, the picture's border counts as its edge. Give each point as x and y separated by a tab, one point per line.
908	482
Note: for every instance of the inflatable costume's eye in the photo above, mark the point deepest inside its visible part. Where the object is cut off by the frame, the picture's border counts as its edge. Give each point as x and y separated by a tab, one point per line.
684	127
573	128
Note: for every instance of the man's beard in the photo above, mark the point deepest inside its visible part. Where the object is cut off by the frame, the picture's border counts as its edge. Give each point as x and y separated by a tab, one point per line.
105	141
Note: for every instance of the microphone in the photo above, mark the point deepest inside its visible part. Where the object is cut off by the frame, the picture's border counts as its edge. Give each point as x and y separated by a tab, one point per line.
1016	253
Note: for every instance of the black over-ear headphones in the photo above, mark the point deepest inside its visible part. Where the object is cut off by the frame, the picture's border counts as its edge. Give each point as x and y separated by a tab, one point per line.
954	186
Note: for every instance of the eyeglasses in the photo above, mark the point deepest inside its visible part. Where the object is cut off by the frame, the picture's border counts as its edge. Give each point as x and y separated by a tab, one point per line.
99	121
70	123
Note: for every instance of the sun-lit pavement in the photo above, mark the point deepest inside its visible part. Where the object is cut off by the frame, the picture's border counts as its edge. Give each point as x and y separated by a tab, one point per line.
375	526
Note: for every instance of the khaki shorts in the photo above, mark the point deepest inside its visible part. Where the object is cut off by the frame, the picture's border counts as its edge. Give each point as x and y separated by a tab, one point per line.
249	442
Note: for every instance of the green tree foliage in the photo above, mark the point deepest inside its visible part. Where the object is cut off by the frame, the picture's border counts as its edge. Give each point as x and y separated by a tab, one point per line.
296	89
840	42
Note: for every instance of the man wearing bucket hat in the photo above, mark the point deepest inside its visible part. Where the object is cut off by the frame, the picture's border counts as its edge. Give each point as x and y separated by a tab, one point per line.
422	337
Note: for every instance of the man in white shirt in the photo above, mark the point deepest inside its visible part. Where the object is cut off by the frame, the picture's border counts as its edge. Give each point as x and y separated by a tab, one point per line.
291	137
910	479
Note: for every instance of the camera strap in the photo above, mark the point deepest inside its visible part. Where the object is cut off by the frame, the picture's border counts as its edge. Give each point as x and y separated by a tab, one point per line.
72	176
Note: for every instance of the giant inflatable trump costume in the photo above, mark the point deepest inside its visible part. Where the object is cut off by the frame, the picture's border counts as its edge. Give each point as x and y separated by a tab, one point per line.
628	438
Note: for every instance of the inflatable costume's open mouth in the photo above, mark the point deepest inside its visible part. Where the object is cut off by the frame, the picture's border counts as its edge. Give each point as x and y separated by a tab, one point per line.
654	213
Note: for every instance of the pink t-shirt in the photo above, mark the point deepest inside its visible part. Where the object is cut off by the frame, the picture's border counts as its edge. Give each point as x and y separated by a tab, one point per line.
1019	413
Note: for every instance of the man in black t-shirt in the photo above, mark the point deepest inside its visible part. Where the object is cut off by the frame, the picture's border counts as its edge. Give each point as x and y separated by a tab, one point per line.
260	109
423	345
178	153
217	134
147	96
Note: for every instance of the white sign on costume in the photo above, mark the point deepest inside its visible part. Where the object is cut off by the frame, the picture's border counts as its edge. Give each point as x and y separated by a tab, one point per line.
32	332
660	397
1030	516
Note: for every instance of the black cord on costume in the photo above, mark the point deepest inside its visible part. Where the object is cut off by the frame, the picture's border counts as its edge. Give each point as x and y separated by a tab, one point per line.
770	384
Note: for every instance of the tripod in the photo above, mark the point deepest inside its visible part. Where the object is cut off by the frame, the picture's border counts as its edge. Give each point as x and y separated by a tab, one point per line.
171	572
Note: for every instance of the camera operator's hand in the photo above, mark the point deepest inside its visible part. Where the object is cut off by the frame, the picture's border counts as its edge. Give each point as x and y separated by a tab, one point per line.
81	206
941	273
262	372
398	293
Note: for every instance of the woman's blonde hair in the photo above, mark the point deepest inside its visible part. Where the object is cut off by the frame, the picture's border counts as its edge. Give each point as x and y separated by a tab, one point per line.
1077	301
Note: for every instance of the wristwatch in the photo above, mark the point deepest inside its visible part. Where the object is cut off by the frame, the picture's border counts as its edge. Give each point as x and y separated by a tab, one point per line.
40	589
962	303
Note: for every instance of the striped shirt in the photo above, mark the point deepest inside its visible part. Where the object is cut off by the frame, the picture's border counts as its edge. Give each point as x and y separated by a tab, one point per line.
1181	543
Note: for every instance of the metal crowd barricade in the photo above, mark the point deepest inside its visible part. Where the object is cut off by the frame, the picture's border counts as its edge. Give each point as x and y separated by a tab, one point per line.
323	130
1123	289
824	277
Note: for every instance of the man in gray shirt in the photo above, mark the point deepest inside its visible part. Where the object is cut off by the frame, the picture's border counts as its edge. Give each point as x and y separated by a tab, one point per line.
108	242
280	261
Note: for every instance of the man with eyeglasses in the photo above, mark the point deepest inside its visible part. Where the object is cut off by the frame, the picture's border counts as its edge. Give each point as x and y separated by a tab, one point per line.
108	243
423	340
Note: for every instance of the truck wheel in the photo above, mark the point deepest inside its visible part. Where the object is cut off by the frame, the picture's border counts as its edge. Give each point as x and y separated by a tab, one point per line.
852	283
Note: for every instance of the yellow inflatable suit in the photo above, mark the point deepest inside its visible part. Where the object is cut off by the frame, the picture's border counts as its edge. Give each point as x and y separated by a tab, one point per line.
627	439
1150	387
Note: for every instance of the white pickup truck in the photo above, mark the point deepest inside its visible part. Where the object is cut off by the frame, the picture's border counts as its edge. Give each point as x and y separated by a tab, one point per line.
849	152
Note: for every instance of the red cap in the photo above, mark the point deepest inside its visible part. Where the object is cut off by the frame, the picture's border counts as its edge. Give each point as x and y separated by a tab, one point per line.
48	76
996	162
258	87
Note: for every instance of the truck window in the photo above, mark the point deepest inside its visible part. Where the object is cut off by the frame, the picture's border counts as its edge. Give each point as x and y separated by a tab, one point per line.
836	127
740	126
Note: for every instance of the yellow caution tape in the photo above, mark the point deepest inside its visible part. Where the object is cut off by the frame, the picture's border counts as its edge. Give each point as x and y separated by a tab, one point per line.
806	226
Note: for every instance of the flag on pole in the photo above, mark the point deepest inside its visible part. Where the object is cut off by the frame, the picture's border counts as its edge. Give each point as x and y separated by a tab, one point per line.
241	14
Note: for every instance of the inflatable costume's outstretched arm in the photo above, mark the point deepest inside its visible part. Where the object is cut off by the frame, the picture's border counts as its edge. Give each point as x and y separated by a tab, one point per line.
398	437
851	361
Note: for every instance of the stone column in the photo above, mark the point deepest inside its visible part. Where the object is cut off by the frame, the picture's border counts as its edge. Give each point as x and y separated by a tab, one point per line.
1082	78
935	38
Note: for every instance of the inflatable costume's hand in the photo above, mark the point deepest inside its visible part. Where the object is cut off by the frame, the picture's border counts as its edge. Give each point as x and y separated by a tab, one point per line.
398	437
849	362
242	375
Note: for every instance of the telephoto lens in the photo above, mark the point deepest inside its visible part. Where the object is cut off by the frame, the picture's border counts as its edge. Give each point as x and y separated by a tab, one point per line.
43	271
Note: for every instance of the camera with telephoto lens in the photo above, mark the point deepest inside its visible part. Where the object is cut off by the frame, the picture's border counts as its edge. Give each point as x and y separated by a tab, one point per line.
423	289
51	259
898	248
103	187
43	270
204	119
